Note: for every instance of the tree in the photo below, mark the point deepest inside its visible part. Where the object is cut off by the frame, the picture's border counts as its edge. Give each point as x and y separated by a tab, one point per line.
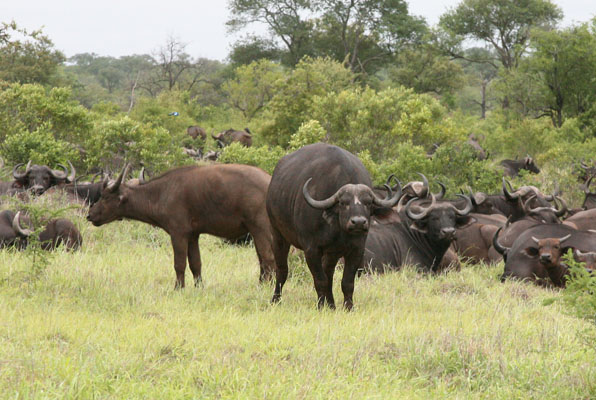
363	32
252	48
253	87
503	24
284	19
30	59
480	75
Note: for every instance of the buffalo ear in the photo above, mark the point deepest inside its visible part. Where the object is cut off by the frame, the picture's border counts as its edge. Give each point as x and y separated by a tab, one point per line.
420	226
123	198
464	221
531	251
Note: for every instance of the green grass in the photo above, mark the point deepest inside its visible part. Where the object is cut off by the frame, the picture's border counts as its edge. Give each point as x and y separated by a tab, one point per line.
106	323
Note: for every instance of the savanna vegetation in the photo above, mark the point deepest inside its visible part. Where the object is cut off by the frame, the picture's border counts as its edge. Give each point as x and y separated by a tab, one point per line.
365	75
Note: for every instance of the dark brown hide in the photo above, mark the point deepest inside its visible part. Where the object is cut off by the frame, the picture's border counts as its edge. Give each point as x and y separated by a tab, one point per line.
196	131
221	200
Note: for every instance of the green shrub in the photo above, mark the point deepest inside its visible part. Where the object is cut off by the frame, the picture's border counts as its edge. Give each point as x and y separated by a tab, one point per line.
263	157
580	293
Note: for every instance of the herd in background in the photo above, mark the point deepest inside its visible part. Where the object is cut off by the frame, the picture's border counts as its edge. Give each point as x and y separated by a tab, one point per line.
320	199
222	140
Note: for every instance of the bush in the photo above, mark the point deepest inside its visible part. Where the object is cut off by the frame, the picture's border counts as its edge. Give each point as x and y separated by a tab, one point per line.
580	293
264	157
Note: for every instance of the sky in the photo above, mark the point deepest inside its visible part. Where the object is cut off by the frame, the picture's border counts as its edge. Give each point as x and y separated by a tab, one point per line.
125	27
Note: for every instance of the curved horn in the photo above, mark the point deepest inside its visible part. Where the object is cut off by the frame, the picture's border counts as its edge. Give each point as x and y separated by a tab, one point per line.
394	178
18	176
443	191
424	213
391	201
116	184
561	240
498	247
536	240
59	174
142	175
16	225
73	172
318	204
563	209
583	164
425	187
468	207
587	187
472	197
508	195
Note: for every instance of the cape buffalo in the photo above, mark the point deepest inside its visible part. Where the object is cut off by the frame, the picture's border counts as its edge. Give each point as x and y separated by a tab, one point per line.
221	200
522	259
590	197
57	231
419	238
39	178
320	201
196	131
512	167
231	135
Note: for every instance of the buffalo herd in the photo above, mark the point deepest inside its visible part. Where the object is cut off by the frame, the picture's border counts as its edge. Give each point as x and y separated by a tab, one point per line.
320	199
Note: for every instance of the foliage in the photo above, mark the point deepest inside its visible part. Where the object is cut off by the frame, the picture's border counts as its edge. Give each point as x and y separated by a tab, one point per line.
40	146
26	107
253	86
28	58
264	157
294	96
121	140
309	132
580	293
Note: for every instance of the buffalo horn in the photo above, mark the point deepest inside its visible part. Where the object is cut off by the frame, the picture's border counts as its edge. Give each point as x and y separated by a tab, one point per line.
563	209
472	198
500	249
561	240
443	191
425	187
142	176
390	201
18	176
424	212
508	195
16	225
468	207
587	187
535	239
318	204
116	184
583	164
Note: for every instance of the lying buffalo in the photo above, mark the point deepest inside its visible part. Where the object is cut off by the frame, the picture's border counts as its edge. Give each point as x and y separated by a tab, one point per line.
320	201
512	167
421	236
231	135
221	200
57	232
590	197
39	178
524	259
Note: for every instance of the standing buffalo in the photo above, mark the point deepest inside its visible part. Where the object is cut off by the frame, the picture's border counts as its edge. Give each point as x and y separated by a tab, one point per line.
231	135
57	232
512	167
222	200
39	178
320	201
196	131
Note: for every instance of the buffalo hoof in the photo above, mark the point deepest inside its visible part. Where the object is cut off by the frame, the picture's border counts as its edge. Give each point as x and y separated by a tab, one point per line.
275	299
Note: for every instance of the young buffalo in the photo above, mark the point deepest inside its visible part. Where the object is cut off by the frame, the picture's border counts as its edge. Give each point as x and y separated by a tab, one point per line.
227	201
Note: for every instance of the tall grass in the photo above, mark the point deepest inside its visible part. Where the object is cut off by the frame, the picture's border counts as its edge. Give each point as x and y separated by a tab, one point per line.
105	322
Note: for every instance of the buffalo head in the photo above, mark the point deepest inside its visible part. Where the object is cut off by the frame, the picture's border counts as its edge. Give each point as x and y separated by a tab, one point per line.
353	205
109	206
39	178
590	199
439	220
548	250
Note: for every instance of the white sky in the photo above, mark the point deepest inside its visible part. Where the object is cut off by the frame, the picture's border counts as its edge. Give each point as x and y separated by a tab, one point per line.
126	27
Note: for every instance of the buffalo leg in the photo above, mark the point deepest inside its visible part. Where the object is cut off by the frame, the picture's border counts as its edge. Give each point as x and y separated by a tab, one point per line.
264	252
280	251
329	263
194	259
314	262
180	245
353	261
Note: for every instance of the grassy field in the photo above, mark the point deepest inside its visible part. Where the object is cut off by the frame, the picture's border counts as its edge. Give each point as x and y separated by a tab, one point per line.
105	322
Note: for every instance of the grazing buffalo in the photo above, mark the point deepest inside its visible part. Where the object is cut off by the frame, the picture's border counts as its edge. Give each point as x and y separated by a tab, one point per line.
221	200
57	232
196	131
523	259
39	178
320	201
231	135
419	238
512	167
